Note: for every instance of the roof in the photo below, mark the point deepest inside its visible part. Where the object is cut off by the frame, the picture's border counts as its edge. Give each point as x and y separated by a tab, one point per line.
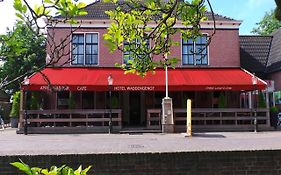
97	10
254	52
274	59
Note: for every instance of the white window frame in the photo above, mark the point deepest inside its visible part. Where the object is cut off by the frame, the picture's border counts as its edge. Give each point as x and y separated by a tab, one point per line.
71	49
194	45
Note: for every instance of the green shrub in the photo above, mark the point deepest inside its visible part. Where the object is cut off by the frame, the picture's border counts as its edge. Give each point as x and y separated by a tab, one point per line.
62	170
261	103
15	111
114	102
274	109
222	100
35	101
71	102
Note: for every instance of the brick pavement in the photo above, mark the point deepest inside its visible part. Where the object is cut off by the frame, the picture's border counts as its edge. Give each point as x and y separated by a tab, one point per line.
46	144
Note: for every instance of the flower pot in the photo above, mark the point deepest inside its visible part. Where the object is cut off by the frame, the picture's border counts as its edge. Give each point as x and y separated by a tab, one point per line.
14	122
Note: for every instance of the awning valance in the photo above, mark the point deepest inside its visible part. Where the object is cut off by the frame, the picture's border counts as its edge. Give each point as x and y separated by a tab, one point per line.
180	79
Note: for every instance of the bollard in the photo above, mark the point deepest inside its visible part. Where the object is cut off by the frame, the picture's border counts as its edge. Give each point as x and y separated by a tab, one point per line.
188	118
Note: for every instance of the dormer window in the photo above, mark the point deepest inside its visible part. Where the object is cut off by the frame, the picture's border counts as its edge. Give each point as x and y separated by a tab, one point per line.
195	52
84	49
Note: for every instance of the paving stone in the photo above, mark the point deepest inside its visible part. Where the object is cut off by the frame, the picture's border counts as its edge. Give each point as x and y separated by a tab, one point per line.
56	144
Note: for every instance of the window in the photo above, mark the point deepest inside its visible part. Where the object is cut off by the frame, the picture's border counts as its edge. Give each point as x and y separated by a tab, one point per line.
88	100
85	49
130	46
63	100
195	52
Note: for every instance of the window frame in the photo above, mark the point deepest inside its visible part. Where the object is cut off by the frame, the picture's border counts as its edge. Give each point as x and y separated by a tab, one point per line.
194	55
84	47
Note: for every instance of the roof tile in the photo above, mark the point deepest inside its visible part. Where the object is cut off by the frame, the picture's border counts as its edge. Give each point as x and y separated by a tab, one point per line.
97	10
254	51
274	60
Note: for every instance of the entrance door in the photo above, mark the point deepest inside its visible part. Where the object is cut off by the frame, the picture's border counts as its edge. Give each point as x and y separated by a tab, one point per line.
135	109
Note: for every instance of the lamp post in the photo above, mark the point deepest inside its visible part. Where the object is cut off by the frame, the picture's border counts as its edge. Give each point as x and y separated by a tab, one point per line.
25	124
166	77
167	105
110	82
254	81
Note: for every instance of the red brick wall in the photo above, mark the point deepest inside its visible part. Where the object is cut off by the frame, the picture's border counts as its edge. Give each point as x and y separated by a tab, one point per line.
223	50
180	163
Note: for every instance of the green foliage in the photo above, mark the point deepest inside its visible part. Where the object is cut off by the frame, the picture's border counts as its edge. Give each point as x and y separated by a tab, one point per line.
133	25
62	170
114	102
278	10
16	105
35	101
66	8
274	109
222	101
23	48
71	102
261	102
267	25
22	51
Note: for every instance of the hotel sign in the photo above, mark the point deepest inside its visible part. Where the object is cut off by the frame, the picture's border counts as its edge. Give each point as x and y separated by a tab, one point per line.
133	88
89	88
218	88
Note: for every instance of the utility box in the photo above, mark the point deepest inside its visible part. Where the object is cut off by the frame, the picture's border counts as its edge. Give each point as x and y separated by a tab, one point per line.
167	115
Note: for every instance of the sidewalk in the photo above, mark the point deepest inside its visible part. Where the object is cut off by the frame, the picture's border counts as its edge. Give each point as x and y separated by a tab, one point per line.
45	144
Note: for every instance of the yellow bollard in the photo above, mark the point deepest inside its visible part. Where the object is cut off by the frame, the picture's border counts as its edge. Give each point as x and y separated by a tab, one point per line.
188	118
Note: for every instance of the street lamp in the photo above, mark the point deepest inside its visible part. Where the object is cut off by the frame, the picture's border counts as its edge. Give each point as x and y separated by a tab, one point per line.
110	82
255	81
25	124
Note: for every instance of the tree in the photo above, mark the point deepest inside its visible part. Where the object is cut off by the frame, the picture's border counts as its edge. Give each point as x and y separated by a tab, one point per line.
132	25
278	10
267	25
21	51
137	22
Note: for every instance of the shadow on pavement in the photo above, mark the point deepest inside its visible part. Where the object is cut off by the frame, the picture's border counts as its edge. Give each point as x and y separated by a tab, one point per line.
208	135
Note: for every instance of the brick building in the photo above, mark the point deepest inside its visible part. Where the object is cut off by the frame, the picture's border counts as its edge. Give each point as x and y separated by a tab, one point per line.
261	55
79	101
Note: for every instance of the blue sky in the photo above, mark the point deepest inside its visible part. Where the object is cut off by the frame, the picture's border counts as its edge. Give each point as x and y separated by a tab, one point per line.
250	11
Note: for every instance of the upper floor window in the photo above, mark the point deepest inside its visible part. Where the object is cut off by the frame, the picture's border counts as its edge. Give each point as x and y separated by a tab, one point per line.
128	47
195	52
85	49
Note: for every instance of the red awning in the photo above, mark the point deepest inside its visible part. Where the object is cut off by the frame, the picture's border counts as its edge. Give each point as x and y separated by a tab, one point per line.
180	79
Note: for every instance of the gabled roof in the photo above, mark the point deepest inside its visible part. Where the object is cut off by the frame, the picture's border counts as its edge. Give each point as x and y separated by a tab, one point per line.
254	52
97	10
274	59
